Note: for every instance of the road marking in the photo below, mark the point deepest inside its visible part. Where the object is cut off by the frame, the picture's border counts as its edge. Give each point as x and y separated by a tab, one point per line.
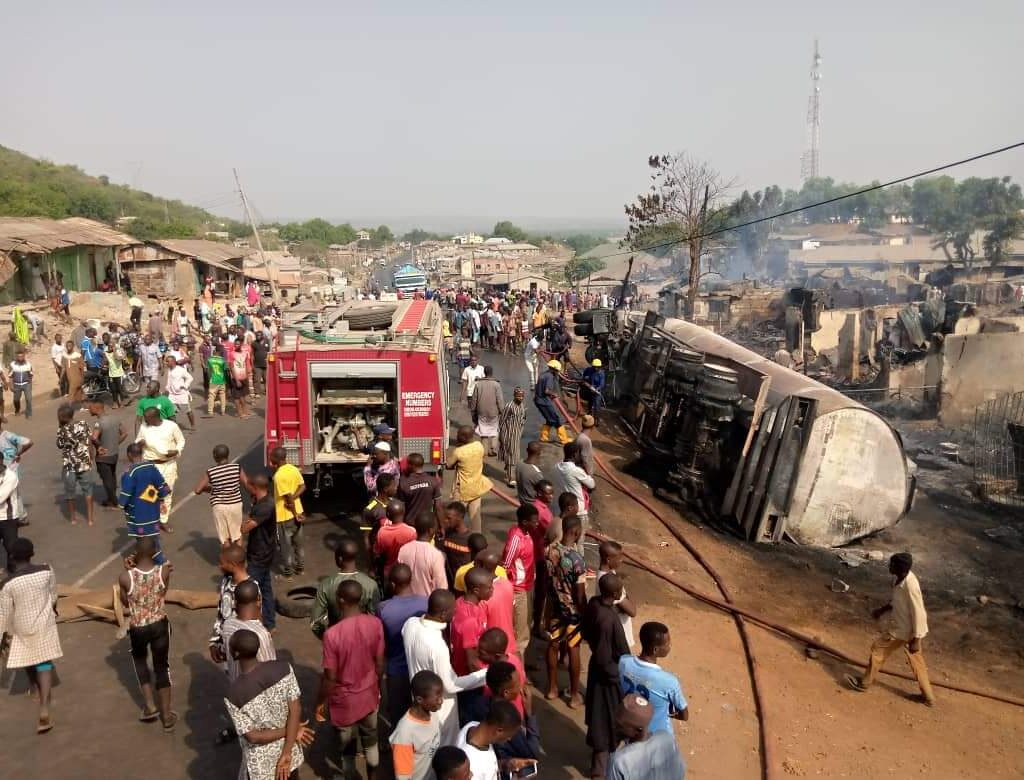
120	553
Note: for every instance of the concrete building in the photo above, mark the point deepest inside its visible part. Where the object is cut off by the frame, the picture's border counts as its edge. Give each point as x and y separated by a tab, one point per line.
33	250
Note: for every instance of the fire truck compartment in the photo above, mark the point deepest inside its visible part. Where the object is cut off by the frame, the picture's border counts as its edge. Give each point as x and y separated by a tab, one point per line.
344	413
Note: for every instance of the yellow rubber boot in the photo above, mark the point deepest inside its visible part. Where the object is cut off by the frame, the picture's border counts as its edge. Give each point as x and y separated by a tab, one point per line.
563	435
545	433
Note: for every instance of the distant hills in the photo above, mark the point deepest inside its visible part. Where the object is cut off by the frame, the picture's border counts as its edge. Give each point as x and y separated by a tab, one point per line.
40	188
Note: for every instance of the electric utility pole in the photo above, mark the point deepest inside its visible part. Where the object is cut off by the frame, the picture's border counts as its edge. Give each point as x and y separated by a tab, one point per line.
274	294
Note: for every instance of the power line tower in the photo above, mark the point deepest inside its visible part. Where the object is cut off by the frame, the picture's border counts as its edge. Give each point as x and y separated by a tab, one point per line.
810	161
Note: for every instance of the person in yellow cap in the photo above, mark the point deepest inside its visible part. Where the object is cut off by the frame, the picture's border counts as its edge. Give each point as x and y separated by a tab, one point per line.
544	395
593	386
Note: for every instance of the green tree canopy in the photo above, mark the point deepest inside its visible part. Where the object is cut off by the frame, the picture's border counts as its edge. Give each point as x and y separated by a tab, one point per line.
506	229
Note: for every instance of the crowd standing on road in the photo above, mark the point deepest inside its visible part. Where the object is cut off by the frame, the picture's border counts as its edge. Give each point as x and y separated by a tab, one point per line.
427	630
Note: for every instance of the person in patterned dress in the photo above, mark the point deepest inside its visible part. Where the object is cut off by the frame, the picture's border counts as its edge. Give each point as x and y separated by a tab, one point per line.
264	706
28	615
73	440
143	589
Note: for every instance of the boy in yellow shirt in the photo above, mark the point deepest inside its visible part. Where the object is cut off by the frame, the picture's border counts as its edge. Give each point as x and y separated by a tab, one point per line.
289	485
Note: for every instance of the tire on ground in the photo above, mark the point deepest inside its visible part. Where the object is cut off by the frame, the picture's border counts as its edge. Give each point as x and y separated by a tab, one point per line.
587	315
296	602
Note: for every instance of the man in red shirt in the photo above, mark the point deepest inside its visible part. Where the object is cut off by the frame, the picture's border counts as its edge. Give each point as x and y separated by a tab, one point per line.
493	647
468	624
519	560
392	536
353	662
500	604
542	503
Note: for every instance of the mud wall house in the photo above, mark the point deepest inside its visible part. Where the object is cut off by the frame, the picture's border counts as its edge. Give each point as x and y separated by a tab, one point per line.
176	268
971	369
31	248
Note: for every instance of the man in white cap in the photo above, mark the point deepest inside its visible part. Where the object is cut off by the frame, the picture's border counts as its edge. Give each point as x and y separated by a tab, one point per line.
381	462
544	396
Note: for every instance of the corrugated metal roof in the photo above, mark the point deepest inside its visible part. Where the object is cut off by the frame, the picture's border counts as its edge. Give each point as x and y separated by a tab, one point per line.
38	235
211	252
880	253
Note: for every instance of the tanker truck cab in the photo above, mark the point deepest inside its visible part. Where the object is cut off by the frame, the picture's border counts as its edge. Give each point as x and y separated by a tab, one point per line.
372	364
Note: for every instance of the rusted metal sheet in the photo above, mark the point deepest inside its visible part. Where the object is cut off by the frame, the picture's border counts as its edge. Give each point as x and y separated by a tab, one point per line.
7	268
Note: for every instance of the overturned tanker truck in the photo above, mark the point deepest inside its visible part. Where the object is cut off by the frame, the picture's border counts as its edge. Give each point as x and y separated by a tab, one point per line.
756	446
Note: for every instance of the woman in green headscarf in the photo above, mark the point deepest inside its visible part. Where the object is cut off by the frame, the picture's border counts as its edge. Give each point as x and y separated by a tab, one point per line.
20	327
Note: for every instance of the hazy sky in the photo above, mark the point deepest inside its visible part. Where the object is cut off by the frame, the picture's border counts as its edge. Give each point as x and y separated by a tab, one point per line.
448	109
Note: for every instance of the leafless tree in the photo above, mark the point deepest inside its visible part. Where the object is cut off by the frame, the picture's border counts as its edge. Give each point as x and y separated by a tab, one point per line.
684	203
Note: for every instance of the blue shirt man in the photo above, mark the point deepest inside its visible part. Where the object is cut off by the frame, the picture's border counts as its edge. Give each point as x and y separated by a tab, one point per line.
92	353
142	489
642	675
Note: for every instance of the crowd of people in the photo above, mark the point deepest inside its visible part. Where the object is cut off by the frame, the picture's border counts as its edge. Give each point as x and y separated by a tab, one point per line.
427	628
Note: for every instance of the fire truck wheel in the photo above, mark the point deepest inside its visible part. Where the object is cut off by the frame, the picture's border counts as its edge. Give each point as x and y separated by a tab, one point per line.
296	602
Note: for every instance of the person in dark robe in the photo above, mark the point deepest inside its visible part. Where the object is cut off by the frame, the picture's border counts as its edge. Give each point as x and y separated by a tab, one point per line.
603	632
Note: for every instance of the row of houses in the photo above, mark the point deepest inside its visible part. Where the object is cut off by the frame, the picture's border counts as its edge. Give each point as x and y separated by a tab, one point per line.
86	256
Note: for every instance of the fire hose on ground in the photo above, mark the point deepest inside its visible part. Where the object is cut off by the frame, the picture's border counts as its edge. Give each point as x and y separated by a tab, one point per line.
739	614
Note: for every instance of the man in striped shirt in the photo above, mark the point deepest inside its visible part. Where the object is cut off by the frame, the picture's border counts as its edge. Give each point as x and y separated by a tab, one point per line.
143	490
224	482
519	561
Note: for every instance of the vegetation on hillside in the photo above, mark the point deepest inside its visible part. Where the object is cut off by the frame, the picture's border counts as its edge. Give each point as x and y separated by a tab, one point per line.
40	188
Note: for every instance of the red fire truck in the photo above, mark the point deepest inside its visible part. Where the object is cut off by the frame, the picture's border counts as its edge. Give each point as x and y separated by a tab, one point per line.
336	375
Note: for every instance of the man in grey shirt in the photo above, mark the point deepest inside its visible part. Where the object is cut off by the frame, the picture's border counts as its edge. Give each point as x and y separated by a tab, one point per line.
586	445
529	473
650	756
107	435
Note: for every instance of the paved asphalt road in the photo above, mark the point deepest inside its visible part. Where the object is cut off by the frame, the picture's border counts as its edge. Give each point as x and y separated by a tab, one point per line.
96	702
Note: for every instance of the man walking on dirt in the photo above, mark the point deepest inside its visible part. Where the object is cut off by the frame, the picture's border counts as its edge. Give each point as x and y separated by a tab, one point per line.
908	627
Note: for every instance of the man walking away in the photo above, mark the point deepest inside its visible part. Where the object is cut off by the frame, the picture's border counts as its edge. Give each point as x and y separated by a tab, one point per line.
28	614
530	356
289	485
262	546
143	589
489	401
264	706
179	383
353	662
603	633
224	482
470	374
645	755
107	436
73	441
395	534
421	492
908	627
248	616
510	435
143	489
326	610
393	613
570	477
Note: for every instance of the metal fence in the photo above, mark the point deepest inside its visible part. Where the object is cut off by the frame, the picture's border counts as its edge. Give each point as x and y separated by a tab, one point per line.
999	450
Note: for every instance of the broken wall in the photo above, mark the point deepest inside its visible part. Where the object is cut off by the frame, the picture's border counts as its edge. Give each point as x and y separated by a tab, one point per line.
975	368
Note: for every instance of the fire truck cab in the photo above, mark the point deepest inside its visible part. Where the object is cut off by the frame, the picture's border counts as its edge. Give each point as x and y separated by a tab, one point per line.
365	363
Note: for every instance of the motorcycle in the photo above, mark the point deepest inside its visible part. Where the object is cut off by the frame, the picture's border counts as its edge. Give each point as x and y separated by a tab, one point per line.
96	385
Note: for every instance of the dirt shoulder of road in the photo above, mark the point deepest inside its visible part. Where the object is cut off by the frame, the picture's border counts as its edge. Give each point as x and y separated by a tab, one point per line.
815	725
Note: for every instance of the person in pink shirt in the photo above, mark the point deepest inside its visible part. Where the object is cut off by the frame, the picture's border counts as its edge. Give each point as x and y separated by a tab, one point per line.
353	662
519	560
500	604
424	559
539	534
470	620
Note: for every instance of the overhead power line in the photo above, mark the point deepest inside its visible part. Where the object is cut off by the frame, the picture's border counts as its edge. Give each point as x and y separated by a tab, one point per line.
788	212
